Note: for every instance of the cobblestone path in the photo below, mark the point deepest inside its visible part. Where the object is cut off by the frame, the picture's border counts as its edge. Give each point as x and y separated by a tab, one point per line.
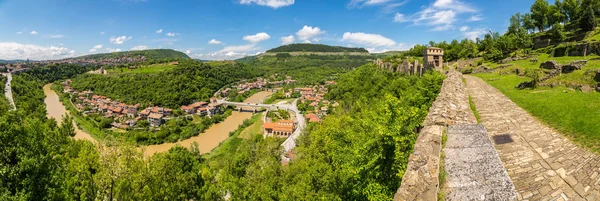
542	164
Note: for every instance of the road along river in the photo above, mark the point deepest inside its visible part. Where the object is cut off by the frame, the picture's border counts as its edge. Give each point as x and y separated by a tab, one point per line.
207	141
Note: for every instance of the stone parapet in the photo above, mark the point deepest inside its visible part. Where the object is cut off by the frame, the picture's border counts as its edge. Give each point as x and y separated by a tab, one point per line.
420	181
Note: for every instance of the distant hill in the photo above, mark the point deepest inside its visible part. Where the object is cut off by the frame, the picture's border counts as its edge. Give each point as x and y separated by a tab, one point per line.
11	61
149	54
315	48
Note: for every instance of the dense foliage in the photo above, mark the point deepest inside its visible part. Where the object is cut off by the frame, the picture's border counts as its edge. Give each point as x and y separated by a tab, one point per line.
155	54
54	72
359	153
189	81
310	69
306	47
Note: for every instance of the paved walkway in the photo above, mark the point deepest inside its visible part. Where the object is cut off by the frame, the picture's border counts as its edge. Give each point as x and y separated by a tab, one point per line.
542	164
474	170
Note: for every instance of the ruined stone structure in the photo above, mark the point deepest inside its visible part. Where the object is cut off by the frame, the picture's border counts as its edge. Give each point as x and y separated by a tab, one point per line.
434	58
404	67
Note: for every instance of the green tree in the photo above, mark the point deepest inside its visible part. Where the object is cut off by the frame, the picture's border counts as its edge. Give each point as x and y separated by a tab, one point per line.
539	13
528	22
571	8
515	23
558	32
588	19
66	127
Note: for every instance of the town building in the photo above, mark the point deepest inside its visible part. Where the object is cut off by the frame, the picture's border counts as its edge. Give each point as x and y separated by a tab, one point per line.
282	128
155	119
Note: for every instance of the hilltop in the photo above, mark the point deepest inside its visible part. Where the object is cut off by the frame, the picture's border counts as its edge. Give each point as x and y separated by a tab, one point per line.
155	54
314	48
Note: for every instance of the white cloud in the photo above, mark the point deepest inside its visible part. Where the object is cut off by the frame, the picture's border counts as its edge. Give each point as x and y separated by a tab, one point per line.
102	33
371	40
442	15
96	48
464	28
112	50
453	5
140	47
12	50
257	37
308	33
286	40
56	36
214	42
170	34
400	18
399	47
159	31
188	52
33	32
475	18
270	3
474	34
19	32
239	48
119	40
361	3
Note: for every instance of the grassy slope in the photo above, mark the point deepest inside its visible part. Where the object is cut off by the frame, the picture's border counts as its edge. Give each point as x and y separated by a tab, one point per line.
576	77
254	129
574	113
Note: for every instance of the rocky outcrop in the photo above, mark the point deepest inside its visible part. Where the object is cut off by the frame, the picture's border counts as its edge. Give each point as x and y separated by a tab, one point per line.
550	65
573	66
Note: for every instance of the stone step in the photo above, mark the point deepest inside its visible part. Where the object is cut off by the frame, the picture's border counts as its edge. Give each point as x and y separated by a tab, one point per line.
474	170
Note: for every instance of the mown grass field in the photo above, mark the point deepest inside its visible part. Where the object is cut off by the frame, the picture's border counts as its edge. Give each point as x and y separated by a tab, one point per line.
571	112
150	69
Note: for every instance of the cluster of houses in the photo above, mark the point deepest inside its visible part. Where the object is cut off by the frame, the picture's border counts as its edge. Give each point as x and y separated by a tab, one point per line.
202	108
314	97
260	84
14	68
19	67
127	116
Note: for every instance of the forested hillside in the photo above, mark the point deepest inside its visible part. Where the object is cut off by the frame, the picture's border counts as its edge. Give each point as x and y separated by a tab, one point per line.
155	54
305	47
308	69
190	80
358	153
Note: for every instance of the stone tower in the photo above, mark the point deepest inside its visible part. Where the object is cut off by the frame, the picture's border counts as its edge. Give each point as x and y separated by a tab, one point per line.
434	58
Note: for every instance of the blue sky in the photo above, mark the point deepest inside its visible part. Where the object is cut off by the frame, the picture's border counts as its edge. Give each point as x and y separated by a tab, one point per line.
229	29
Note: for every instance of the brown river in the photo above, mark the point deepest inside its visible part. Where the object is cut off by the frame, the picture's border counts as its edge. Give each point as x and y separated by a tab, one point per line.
207	141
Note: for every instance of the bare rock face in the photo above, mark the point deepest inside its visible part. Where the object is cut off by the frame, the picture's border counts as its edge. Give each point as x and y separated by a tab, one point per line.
550	65
573	66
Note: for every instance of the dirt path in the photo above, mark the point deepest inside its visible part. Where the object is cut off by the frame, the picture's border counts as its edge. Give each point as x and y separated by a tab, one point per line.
542	164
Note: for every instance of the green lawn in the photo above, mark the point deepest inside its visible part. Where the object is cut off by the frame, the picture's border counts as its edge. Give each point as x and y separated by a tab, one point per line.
151	69
573	113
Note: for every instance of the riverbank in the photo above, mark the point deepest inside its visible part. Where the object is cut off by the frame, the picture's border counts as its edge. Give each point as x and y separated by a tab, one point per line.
55	109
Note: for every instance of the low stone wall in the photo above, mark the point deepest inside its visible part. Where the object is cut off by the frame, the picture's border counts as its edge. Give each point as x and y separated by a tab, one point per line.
420	182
